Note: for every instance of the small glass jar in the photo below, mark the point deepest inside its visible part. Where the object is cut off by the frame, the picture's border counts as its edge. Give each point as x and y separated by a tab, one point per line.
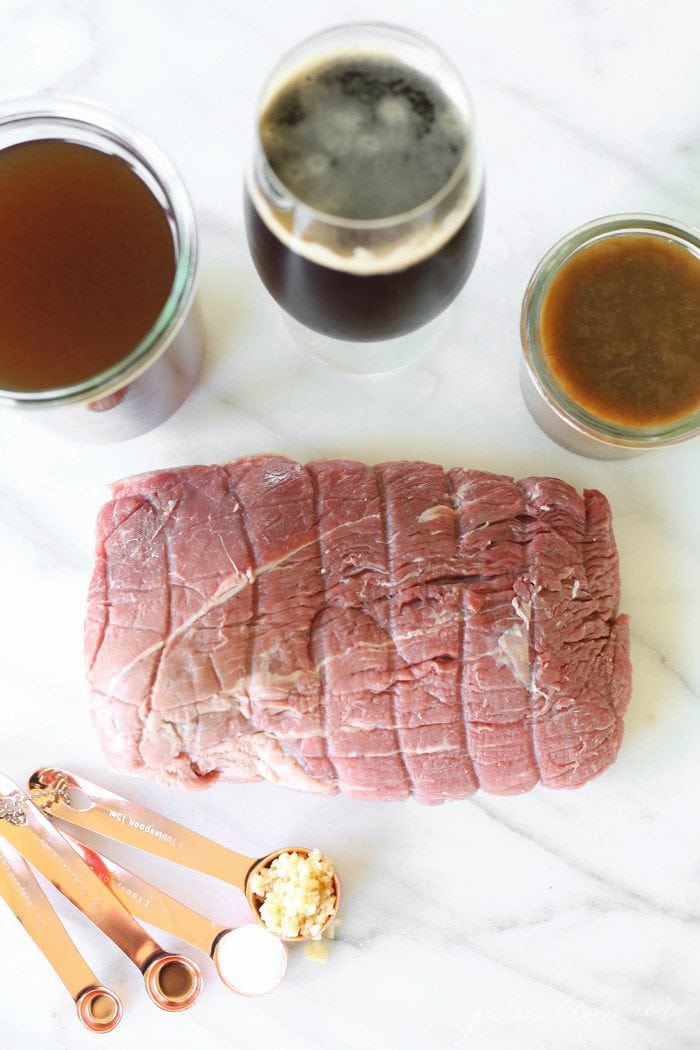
561	418
153	379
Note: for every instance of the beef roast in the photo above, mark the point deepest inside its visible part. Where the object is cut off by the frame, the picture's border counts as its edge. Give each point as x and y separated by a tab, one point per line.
382	631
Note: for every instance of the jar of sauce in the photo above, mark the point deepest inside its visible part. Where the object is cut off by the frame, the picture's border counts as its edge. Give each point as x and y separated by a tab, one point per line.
610	330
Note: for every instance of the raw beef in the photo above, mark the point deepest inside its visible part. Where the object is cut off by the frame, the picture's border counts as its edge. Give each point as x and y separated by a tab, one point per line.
381	631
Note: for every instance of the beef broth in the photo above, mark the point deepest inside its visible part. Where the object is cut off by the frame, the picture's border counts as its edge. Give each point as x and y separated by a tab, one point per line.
620	330
87	261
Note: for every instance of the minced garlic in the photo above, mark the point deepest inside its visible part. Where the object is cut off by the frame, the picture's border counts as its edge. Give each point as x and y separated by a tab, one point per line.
317	950
297	894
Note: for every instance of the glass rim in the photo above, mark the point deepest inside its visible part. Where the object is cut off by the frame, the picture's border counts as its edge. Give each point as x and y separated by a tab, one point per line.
108	127
546	270
470	157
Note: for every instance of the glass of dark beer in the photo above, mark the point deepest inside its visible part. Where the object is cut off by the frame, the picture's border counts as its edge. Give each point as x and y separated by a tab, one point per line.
364	199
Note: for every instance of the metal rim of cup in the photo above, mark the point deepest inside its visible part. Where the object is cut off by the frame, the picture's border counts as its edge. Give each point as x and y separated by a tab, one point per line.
556	398
286	200
153	975
60	112
85	1005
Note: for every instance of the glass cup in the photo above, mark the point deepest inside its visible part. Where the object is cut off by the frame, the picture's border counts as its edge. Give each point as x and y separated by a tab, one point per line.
365	295
561	418
154	377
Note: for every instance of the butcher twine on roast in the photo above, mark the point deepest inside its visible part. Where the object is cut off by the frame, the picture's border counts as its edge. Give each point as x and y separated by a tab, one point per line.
382	631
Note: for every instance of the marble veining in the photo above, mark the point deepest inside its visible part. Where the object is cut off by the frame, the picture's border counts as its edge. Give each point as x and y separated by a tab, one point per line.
550	920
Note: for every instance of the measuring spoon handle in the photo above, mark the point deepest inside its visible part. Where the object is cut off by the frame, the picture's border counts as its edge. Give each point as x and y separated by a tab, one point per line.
150	903
43	846
28	902
124	821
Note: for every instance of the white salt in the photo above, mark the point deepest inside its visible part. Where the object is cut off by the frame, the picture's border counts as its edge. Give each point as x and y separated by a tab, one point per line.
250	959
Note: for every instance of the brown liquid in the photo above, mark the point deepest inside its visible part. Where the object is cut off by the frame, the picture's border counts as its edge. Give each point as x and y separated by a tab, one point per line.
364	137
87	262
620	329
363	307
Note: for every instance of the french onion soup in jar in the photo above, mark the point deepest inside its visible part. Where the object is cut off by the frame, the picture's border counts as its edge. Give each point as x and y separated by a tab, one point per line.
611	336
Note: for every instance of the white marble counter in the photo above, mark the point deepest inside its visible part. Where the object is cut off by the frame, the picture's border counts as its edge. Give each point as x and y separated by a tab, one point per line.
567	920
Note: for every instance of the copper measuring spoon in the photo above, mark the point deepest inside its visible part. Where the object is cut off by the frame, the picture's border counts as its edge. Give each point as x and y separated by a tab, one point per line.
99	1009
157	907
117	818
173	982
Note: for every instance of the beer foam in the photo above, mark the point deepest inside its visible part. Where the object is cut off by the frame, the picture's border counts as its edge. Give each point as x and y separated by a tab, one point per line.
378	160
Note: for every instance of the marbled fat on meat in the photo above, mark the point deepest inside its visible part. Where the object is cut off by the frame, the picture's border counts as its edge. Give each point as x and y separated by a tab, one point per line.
381	631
